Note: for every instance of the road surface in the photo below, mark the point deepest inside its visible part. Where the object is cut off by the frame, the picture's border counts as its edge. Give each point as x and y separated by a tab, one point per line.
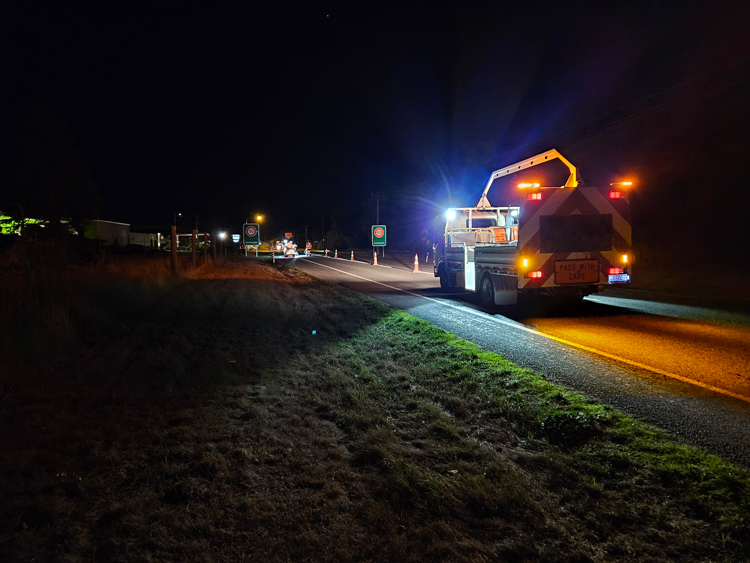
682	368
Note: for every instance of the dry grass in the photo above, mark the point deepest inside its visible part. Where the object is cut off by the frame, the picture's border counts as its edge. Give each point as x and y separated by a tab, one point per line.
200	419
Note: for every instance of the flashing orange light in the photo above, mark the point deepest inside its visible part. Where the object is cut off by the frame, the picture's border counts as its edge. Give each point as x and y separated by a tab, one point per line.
624	258
528	185
525	262
535	275
626	183
535	197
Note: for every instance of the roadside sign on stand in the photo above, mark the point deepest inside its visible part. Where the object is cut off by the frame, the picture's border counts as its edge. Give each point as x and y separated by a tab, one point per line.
251	236
378	235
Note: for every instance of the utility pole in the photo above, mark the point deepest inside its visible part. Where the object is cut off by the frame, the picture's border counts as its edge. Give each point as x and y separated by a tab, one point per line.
322	231
305	234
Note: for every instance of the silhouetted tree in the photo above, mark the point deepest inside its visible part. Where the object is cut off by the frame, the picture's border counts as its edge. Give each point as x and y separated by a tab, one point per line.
51	182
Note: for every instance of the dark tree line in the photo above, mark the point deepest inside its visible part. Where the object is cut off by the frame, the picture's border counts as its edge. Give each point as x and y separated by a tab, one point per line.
51	182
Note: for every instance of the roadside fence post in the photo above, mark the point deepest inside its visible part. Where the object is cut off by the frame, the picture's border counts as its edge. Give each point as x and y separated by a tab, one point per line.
205	247
194	247
213	246
174	249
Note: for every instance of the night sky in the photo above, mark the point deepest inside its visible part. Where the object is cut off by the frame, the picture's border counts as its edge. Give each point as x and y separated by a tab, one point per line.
299	111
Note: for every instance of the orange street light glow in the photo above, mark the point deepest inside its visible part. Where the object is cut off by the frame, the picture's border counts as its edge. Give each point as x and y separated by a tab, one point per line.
528	185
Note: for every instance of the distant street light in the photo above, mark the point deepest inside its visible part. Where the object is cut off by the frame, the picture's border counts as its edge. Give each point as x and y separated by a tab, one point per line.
259	218
175	217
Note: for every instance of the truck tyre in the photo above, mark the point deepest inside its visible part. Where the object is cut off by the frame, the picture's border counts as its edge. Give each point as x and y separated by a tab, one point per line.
444	281
486	291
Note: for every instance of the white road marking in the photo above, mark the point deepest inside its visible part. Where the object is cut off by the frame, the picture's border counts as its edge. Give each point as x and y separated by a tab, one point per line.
381	265
524	328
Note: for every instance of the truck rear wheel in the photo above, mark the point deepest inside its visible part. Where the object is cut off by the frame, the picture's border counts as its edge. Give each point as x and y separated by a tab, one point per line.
486	291
444	281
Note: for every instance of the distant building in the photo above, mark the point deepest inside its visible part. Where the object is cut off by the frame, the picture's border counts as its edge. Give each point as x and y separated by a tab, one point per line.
109	232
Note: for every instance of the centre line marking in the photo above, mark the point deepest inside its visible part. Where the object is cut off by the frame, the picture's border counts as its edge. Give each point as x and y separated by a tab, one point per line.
524	328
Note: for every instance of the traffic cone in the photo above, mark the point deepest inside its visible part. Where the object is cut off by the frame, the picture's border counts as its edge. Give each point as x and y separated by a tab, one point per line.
352	256
375	258
416	263
336	253
326	253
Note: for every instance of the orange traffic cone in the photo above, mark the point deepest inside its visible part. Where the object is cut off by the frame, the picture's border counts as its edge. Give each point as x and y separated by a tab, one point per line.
336	253
326	253
375	258
416	263
352	256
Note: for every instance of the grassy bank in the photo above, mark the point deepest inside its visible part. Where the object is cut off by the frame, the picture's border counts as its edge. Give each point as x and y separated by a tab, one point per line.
201	419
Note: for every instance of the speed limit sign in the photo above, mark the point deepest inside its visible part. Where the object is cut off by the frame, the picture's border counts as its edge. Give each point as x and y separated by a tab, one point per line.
251	234
378	235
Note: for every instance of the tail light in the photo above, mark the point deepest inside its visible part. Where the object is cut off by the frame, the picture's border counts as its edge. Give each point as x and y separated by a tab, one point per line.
535	275
534	197
615	271
615	195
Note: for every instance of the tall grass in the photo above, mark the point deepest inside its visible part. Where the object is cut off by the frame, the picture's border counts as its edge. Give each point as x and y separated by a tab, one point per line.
199	418
48	298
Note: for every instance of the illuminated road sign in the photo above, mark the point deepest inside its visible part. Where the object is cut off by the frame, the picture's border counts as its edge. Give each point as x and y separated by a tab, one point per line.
251	234
378	235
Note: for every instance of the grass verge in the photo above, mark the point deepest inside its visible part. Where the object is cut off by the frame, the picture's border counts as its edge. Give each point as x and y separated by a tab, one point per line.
201	419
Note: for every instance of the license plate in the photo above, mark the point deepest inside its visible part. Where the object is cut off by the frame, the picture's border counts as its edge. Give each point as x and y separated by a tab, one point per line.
577	271
619	278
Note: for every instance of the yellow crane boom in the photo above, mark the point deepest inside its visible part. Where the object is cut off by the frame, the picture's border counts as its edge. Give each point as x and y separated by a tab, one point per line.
528	163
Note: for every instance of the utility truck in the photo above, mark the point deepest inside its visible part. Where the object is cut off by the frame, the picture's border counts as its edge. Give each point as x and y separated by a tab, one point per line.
559	242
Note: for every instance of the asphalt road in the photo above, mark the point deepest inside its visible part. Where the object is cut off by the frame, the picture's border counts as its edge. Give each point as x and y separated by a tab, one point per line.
681	367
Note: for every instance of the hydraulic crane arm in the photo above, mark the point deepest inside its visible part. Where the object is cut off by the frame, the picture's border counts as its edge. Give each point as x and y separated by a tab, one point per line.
528	163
